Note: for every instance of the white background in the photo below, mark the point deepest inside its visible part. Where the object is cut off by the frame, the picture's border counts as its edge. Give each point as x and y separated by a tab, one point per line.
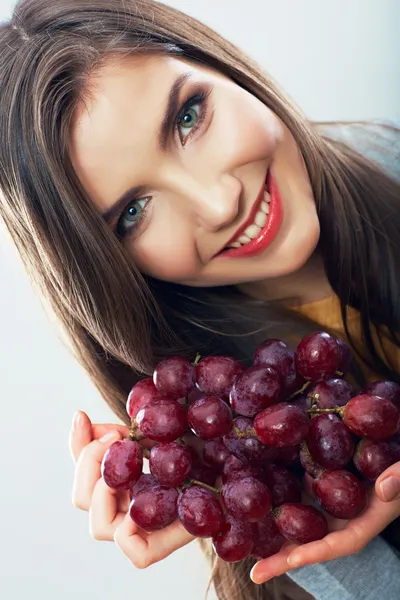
337	60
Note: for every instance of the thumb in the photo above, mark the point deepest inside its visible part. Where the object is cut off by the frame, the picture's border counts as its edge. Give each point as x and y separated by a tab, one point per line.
387	486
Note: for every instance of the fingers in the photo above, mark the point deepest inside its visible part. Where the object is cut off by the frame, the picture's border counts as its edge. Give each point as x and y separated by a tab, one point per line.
387	486
88	469
351	539
83	431
99	429
273	565
107	511
80	434
144	549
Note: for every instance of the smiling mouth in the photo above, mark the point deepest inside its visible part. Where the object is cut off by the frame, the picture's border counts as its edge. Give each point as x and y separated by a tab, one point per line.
257	219
252	238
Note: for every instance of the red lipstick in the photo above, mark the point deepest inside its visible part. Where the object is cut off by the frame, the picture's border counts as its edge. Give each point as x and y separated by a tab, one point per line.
268	232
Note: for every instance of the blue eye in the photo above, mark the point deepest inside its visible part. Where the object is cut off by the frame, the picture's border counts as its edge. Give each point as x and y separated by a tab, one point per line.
133	214
188	110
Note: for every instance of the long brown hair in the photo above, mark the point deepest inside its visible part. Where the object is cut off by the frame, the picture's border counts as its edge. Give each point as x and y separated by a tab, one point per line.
118	322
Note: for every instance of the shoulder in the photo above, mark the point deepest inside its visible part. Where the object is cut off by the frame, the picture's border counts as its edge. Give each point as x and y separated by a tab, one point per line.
377	139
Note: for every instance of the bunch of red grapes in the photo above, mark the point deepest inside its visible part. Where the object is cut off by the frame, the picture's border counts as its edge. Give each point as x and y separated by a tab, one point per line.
257	431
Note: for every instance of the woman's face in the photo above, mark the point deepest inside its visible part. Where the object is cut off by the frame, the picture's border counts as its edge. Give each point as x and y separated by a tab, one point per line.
199	187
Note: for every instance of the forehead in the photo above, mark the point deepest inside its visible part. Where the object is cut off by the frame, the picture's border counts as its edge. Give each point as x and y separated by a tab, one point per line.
147	75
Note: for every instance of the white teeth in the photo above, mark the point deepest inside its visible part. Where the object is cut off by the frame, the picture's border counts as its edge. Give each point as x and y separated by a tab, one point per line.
253	231
265	207
261	219
244	239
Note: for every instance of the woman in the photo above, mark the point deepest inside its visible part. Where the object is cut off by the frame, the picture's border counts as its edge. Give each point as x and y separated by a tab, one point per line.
123	210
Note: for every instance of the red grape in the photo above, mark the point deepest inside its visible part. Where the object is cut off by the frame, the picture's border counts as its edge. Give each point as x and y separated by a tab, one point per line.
193	395
215	453
154	508
170	463
346	356
244	425
164	421
200	511
318	356
372	458
267	538
371	416
234	541
141	394
301	401
330	393
300	523
281	425
329	441
340	493
215	375
297	385
283	485
385	389
255	389
122	464
209	417
248	498
248	449
202	472
145	482
174	376
287	455
236	469
275	353
307	461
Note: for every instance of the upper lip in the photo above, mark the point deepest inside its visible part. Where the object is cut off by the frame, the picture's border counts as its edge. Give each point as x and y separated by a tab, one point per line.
251	217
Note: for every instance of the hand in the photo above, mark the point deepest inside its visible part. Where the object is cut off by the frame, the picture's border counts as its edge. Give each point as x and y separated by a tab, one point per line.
345	537
108	508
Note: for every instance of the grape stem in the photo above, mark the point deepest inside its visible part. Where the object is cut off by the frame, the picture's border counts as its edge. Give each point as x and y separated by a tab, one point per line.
301	390
205	485
245	434
320	411
197	359
134	433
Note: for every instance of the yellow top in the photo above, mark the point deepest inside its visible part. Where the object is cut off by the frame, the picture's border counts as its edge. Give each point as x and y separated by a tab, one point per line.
327	314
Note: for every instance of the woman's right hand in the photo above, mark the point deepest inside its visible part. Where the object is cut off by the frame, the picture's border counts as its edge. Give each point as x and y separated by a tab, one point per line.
109	519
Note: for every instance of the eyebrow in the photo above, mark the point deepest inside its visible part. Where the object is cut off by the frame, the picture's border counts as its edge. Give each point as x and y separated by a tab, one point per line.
162	136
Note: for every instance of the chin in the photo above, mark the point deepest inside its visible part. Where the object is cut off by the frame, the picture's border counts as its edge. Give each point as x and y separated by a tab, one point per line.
293	253
297	257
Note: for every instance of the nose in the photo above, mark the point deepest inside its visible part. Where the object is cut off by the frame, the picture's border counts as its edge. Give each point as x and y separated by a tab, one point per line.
217	205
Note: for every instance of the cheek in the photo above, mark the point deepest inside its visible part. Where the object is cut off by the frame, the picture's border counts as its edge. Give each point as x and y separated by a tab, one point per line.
250	131
167	253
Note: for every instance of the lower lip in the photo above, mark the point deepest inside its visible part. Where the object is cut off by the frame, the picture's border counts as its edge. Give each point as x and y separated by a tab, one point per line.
269	231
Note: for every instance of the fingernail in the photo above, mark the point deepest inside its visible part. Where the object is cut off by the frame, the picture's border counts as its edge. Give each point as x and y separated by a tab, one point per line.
77	420
109	436
390	488
294	560
253	576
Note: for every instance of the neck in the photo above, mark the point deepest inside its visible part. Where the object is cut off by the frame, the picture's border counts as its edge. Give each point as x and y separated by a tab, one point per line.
308	284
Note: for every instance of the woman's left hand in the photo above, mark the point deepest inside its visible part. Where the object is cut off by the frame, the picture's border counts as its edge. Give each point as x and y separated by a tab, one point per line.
345	537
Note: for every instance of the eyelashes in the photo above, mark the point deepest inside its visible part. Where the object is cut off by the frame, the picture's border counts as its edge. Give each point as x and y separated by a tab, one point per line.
200	99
